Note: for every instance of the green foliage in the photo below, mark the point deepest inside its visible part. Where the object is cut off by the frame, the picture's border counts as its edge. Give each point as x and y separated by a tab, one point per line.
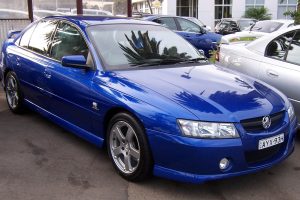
141	49
294	14
258	13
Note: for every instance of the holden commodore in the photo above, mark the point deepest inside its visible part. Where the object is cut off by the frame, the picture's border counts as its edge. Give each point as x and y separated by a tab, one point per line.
149	96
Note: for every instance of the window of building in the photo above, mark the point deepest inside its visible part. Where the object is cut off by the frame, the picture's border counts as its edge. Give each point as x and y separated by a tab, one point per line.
254	4
223	9
284	6
187	8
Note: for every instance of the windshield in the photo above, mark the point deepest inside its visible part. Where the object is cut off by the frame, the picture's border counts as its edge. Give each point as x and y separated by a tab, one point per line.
245	24
196	21
266	26
125	46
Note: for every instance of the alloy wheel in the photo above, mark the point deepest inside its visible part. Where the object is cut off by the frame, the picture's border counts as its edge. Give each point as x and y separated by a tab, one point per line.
124	147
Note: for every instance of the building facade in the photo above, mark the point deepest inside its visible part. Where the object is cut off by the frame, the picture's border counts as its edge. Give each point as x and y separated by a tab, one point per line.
209	11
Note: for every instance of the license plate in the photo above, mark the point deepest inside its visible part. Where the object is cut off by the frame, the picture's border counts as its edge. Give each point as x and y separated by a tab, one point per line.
269	142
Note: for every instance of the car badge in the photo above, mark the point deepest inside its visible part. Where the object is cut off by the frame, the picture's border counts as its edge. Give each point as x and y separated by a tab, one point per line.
266	122
95	106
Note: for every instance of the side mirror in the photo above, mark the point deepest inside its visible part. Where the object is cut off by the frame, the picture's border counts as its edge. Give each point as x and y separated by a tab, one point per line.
76	61
13	34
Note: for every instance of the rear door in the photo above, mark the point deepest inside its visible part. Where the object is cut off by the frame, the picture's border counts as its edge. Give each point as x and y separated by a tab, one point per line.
282	66
32	61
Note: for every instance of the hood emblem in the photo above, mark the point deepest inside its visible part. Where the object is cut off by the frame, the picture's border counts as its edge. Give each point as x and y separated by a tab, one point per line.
266	122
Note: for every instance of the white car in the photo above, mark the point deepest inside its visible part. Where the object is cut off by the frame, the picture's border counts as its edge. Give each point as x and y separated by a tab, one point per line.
259	29
274	59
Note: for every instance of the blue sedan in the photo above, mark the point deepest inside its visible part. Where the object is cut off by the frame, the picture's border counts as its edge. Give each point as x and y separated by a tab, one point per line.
147	95
192	32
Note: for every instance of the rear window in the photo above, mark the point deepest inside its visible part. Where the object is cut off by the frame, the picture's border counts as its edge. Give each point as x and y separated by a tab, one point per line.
266	26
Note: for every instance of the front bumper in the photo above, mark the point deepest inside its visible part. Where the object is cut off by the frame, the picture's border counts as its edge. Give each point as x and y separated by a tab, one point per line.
197	160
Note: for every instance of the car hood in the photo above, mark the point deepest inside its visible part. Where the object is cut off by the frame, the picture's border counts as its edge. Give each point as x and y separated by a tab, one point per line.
211	93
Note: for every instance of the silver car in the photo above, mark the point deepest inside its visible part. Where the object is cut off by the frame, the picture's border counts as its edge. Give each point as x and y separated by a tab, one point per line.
274	59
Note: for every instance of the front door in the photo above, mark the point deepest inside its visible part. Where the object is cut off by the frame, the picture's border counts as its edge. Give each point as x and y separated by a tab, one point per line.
69	87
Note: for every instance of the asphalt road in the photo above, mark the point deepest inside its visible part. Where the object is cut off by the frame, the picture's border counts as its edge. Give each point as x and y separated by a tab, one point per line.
41	161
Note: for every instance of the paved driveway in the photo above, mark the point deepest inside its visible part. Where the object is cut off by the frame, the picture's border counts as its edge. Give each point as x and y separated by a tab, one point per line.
41	161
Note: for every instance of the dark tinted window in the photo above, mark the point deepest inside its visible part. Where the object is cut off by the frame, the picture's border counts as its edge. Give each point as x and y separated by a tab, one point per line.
278	47
26	37
294	50
41	37
188	26
68	41
266	26
168	22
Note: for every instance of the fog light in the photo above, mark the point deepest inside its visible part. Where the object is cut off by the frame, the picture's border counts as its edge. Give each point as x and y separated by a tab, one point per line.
224	164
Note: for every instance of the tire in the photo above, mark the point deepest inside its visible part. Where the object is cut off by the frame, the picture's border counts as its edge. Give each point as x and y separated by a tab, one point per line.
130	147
13	93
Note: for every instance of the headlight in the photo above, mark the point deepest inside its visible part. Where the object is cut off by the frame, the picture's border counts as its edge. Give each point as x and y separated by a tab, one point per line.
207	129
291	111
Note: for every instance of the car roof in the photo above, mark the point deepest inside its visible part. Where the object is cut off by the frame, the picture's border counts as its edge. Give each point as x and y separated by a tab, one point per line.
279	20
260	44
86	20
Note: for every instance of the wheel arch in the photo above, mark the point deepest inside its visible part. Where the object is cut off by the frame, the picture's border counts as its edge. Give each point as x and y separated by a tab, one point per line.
112	112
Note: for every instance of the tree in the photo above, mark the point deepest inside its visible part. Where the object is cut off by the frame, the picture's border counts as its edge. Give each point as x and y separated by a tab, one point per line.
294	14
258	13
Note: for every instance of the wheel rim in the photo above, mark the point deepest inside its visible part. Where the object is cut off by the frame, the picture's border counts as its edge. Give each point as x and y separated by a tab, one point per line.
124	147
12	92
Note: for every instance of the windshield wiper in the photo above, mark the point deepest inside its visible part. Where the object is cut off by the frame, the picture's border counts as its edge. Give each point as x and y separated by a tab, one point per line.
157	62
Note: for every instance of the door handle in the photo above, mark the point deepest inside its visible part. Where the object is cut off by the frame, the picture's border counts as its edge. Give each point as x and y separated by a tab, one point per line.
47	74
272	73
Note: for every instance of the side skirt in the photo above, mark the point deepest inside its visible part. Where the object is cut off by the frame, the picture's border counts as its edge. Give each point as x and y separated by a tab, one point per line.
66	125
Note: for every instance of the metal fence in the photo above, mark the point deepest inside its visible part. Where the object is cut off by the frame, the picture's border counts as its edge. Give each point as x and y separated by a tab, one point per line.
9	24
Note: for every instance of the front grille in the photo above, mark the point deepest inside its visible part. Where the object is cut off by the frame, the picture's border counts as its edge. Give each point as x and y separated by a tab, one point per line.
257	156
255	124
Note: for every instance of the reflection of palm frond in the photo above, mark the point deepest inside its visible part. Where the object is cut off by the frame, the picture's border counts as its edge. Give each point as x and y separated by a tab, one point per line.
143	48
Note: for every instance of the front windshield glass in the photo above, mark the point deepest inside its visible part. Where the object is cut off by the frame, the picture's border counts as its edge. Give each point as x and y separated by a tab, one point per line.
245	24
125	46
266	26
196	21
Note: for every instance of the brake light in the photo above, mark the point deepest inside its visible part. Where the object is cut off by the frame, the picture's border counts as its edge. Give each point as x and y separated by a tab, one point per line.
217	56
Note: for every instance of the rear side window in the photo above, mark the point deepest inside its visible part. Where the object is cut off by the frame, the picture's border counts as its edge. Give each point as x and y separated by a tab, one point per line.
168	22
278	47
68	41
41	37
293	54
188	26
26	37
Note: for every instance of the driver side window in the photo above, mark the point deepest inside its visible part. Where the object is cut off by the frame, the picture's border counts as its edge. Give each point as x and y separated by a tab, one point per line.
278	48
188	26
68	41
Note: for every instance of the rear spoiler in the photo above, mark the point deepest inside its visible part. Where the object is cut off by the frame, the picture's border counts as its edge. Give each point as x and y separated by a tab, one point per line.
13	34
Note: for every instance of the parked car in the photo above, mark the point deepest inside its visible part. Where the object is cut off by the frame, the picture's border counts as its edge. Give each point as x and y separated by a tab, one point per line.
258	30
92	12
229	26
45	13
15	14
274	58
199	22
150	96
192	32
